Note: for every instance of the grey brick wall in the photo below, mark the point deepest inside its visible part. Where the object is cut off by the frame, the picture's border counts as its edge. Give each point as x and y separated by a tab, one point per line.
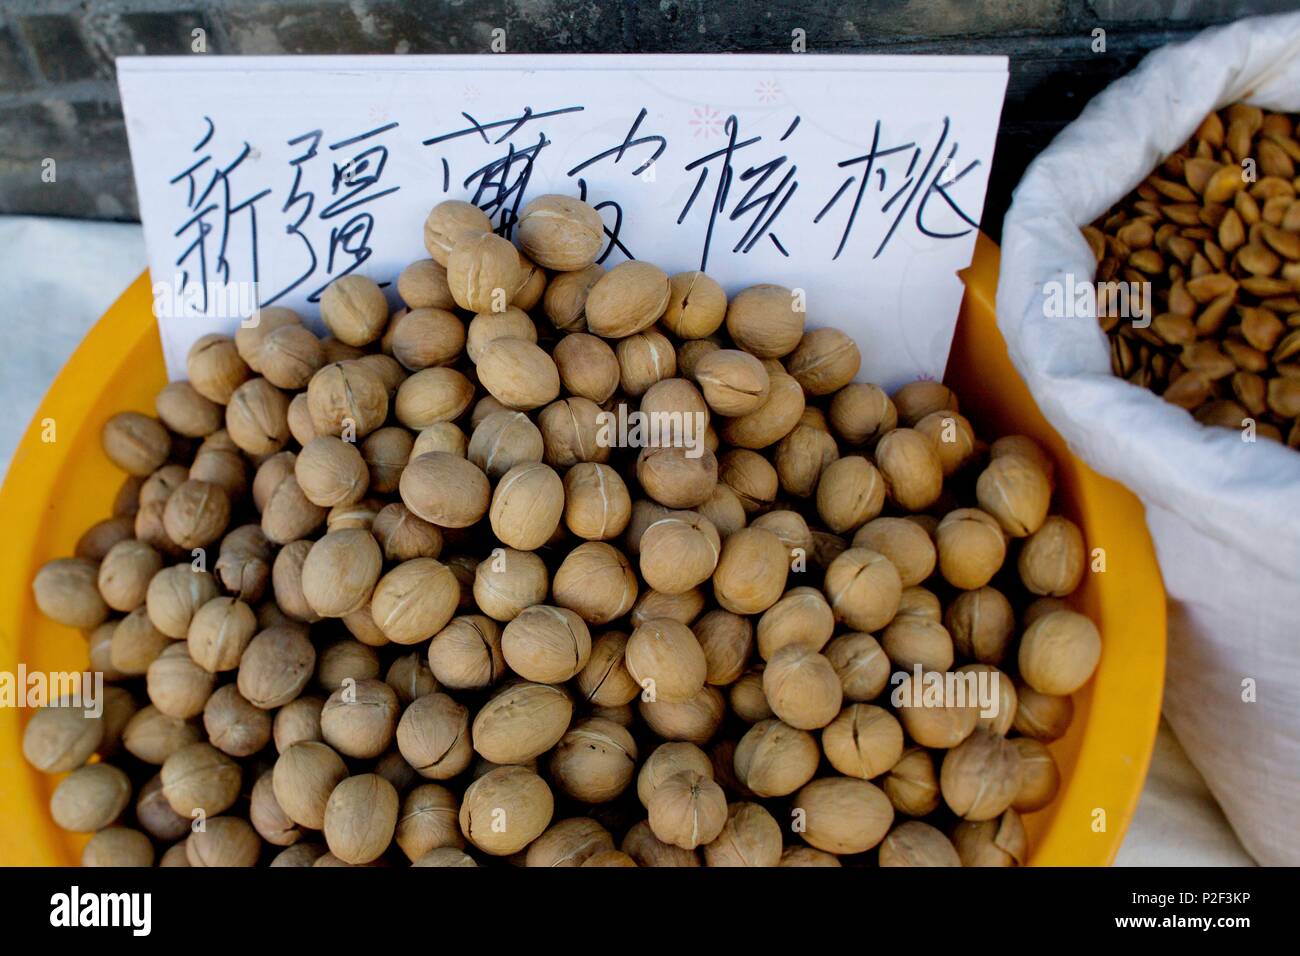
58	96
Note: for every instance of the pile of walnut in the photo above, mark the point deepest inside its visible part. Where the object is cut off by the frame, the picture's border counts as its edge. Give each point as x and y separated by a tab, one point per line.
392	596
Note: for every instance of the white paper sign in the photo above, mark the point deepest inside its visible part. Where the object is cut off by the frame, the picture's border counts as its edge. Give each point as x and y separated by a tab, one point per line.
857	179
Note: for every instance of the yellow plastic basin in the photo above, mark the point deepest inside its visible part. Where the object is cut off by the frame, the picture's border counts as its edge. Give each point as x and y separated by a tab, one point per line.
55	490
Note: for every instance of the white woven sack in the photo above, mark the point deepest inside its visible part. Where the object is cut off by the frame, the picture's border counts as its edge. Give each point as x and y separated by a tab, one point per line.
1224	513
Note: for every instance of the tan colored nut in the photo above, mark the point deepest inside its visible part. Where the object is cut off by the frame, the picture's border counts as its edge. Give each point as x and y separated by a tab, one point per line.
66	590
690	352
751	837
863	589
340	572
595	761
215	368
90	798
971	546
1040	778
982	624
912	641
844	815
503	440
123	577
135	443
429	822
802	457
727	640
627	299
920	602
565	301
360	818
518	374
587	366
596	581
183	410
520	722
771	421
914	843
774	759
910	466
346	399
952	436
597	505
912	784
433	737
723	507
118	847
604	681
423	285
850	493
915	400
806	856
733	382
801	617
466	654
136	643
679	552
560	232
200	777
276	666
864	741
677	477
445	490
697	306
861	413
331	472
695	721
527	506
687	810
666	660
174	595
196	514
451	222
1016	492
1052	559
980	776
748	702
1059	652
574	430
432	395
665	761
427	337
177	685
766	320
931	712
487	327
905	543
802	687
508	581
825	361
1044	717
354	309
546	644
751	572
483	272
60	737
415	600
515	794
861	664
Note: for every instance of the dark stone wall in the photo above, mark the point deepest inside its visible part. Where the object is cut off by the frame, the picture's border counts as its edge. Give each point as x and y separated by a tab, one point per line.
58	96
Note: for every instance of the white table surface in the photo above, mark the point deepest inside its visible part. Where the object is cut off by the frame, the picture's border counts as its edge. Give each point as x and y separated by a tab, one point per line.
57	276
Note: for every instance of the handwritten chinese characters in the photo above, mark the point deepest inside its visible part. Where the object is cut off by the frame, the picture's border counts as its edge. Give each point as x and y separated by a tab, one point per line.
857	180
